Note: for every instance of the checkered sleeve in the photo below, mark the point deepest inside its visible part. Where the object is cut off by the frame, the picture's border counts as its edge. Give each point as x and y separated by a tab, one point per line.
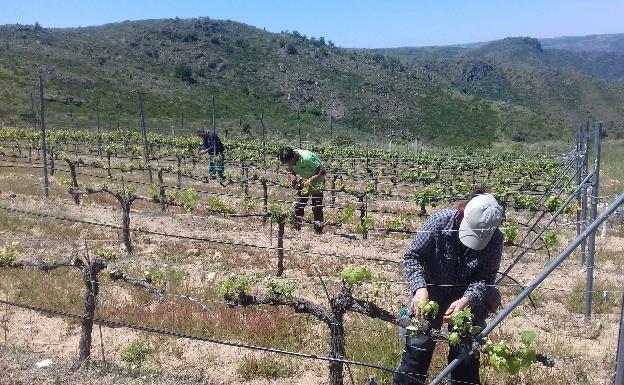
487	272
422	247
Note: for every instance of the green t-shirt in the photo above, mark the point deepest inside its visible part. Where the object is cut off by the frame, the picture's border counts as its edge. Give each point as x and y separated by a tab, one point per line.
307	164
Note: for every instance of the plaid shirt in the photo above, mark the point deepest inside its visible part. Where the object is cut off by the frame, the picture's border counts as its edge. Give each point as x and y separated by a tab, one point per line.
436	256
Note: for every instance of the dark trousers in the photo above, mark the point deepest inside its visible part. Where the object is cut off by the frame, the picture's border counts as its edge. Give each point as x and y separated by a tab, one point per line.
419	349
317	209
216	166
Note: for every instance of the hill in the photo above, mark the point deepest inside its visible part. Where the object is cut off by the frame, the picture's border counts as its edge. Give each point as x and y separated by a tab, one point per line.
179	64
560	85
593	43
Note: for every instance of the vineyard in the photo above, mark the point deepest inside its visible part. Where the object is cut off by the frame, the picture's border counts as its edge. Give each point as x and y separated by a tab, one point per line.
135	245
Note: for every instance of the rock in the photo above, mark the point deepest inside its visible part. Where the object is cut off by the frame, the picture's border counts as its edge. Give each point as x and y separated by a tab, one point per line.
211	276
44	364
12	195
194	252
217	255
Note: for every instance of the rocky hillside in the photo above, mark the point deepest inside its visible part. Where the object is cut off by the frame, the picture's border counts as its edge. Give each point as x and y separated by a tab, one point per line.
560	85
178	65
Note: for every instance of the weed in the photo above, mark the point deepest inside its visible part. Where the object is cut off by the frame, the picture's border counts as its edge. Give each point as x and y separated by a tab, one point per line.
600	303
135	353
251	368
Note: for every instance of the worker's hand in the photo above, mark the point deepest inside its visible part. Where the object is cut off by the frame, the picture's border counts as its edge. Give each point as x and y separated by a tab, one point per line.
305	182
421	295
455	307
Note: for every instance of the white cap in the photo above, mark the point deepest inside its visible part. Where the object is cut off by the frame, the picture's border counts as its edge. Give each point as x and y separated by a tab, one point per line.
482	216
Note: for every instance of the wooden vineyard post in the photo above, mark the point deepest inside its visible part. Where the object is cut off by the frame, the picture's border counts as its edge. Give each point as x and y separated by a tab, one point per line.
281	224
51	163
179	172
362	200
161	191
74	189
125	202
245	177
265	198
263	139
99	132
146	155
181	124
108	163
332	192
43	138
33	114
89	273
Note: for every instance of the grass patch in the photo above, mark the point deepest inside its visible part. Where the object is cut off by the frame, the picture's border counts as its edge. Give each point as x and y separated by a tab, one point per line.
61	289
576	301
251	368
135	353
372	341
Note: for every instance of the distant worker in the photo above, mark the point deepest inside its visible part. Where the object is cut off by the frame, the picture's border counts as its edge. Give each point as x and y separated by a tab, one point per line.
307	176
214	149
453	260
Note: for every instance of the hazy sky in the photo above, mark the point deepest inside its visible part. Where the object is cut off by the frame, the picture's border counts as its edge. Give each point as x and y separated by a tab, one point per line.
350	23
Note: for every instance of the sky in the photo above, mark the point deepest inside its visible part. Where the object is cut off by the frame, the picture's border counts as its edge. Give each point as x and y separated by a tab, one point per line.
349	23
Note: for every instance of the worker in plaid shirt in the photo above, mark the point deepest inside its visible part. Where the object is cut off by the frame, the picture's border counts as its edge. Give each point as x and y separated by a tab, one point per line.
452	260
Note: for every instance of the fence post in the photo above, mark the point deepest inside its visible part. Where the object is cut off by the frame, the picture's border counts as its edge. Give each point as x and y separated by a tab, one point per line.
619	361
591	244
43	138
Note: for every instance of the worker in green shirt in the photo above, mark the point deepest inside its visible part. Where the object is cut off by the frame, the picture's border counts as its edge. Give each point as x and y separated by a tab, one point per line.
307	175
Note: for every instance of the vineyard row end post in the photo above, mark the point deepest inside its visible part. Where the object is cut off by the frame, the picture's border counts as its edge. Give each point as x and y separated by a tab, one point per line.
591	244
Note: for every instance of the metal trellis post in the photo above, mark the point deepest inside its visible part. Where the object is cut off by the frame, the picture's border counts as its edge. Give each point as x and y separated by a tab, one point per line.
584	171
591	244
619	362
